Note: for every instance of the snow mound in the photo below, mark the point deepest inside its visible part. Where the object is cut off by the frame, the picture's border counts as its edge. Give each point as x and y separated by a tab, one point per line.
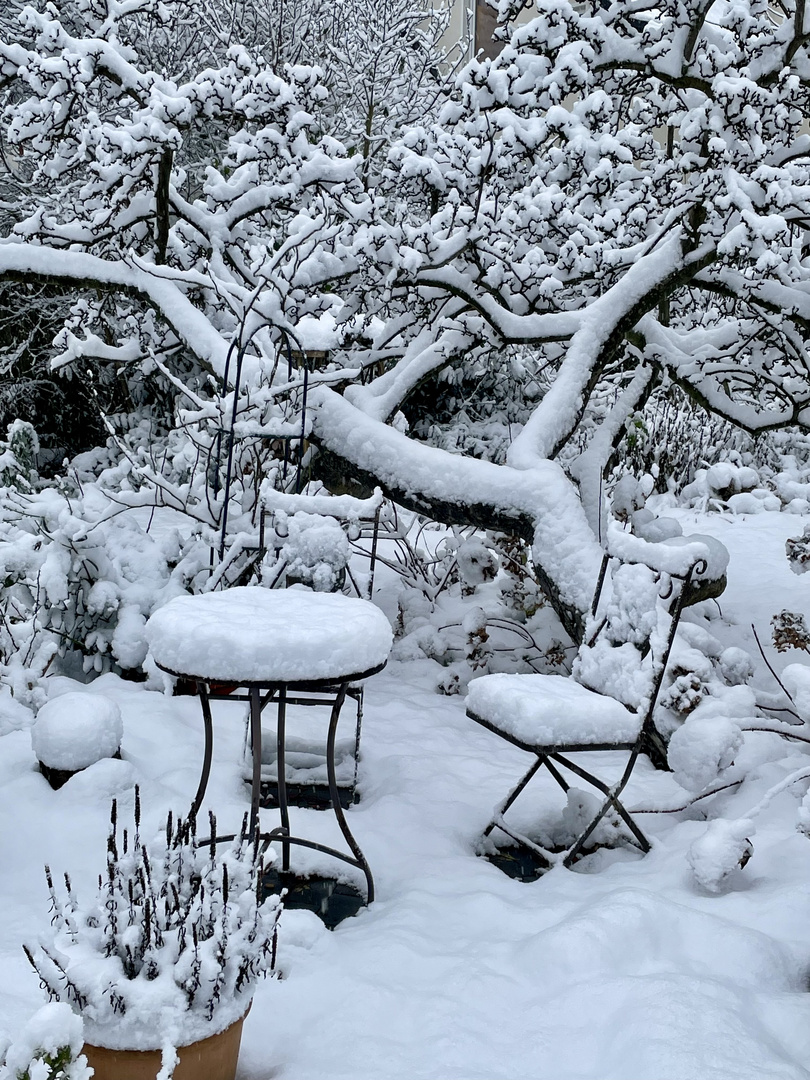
550	710
250	634
102	781
77	729
736	666
635	932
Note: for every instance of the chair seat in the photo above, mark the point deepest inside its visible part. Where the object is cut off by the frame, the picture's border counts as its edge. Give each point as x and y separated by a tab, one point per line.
550	711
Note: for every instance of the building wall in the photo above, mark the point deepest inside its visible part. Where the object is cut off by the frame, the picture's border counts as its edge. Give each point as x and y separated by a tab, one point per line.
475	20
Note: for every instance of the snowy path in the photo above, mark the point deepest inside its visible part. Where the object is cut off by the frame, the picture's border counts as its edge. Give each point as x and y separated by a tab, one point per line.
457	972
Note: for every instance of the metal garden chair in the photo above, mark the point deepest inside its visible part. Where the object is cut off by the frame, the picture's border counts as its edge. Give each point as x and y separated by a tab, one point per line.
606	704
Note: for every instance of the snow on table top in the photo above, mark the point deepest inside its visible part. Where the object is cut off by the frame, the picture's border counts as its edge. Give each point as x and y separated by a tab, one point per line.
250	634
550	710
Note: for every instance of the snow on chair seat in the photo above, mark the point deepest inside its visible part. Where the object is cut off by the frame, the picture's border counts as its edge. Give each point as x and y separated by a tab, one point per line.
537	710
606	704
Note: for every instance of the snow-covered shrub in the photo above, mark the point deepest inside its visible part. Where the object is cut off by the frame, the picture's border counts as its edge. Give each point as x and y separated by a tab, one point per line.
704	681
796	680
797	549
169	950
629	495
736	666
18	457
75	730
79	577
722	849
518	587
48	1047
703	748
314	549
671	435
790	631
684	693
476	564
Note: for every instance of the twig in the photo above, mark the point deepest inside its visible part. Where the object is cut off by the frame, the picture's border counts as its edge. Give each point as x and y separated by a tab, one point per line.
691	802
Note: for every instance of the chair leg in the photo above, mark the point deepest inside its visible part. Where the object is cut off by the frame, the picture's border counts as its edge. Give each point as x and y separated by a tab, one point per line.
513	794
611	800
525	841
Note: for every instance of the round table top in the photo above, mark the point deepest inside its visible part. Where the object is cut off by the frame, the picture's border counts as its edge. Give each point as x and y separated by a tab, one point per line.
255	635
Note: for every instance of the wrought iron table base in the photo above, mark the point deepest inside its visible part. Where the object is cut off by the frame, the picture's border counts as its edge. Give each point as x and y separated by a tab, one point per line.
259	695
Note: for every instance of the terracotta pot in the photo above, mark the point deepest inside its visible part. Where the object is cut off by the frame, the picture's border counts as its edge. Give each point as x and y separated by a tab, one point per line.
213	1058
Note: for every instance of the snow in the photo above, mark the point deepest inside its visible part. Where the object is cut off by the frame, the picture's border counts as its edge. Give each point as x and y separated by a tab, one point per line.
77	729
623	968
250	634
550	710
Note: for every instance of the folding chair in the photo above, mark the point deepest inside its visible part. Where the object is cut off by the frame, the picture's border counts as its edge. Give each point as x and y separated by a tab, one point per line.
606	704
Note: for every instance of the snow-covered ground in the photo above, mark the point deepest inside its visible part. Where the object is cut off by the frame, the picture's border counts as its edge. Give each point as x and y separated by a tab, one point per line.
622	970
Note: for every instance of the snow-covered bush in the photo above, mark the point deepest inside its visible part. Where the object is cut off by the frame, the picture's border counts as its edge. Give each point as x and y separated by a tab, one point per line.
724	847
18	456
79	577
171	947
314	550
790	631
48	1047
704	683
703	748
797	549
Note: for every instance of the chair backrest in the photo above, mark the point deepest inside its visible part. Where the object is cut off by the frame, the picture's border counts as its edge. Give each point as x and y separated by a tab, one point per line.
629	634
359	520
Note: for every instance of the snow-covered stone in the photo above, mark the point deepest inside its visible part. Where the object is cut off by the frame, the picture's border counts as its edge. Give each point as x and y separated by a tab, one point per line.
75	730
659	530
250	634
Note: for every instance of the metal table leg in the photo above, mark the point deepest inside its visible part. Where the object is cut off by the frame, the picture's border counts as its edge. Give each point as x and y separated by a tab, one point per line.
281	768
278	692
335	794
256	746
202	689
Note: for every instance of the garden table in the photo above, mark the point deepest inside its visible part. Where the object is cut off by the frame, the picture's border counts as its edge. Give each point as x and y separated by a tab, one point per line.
269	644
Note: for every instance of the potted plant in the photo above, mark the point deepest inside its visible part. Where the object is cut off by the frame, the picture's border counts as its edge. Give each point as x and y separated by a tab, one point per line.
162	965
